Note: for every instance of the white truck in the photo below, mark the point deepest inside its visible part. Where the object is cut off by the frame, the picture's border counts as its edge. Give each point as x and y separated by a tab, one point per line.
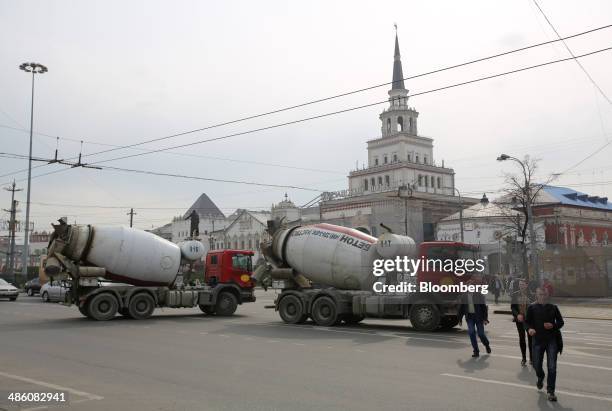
328	276
114	269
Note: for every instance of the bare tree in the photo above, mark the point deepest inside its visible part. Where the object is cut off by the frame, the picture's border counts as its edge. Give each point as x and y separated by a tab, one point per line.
520	194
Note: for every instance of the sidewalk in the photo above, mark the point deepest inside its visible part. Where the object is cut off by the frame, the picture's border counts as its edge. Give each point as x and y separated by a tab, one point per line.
570	307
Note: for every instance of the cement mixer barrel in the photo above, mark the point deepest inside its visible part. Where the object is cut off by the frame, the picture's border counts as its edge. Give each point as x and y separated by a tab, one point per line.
336	256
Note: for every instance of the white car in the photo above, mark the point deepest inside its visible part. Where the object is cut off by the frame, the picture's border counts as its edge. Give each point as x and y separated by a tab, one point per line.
53	291
8	290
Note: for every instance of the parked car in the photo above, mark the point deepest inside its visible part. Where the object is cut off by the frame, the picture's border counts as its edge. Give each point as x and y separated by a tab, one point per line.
32	287
8	290
54	291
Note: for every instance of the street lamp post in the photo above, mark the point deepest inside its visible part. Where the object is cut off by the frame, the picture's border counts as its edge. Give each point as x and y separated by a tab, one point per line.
34	68
405	192
527	191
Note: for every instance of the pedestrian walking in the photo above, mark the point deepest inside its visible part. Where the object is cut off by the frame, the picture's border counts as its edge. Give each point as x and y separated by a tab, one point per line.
544	322
520	300
496	286
474	308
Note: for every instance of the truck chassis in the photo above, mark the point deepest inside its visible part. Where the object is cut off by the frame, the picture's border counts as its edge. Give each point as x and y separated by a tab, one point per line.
330	306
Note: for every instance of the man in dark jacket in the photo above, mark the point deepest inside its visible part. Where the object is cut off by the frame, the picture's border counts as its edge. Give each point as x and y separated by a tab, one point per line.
521	299
544	323
474	308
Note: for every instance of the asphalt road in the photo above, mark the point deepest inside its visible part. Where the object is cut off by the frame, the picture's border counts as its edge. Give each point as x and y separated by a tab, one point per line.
183	360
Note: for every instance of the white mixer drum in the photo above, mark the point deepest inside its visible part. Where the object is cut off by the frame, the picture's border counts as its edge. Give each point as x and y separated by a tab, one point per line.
134	256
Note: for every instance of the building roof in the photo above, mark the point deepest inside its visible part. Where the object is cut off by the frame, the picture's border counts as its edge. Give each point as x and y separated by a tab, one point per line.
205	208
398	74
481	210
570	197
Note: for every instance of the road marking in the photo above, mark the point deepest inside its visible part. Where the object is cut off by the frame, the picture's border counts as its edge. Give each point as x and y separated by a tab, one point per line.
573	364
204	333
529	387
52	386
300	344
223	335
272	341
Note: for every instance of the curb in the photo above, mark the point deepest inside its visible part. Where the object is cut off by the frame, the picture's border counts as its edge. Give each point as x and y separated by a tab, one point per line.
565	316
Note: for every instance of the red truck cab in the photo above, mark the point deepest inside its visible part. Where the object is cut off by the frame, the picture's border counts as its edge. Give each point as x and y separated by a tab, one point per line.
230	267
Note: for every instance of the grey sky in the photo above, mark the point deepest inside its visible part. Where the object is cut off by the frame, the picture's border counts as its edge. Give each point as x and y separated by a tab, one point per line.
121	72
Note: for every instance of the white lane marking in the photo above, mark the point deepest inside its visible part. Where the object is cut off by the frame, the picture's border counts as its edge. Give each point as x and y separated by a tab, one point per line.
529	387
300	344
272	341
52	386
223	335
203	333
573	364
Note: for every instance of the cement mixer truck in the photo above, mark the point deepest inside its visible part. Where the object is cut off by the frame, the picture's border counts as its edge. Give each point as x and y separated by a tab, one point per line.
131	272
327	272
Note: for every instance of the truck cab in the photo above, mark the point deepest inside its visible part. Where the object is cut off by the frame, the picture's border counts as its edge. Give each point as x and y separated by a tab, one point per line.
229	267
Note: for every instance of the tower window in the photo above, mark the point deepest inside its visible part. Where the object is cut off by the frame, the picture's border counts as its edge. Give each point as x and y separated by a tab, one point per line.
385	160
375	161
387	181
365	184
411	125
420	180
426	181
388	126
394	158
409	158
380	181
416	158
400	123
439	182
432	182
373	182
424	159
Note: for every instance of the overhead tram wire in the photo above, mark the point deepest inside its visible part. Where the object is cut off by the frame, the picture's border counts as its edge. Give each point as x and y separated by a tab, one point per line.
340	111
354	108
334	96
562	40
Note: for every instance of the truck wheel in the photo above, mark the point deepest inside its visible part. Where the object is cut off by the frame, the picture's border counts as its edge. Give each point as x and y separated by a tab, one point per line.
448	323
83	310
353	319
324	311
425	317
208	309
291	309
226	304
102	307
141	306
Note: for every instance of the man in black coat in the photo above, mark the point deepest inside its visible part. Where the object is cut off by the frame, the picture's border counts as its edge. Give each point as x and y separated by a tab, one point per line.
474	308
521	300
544	323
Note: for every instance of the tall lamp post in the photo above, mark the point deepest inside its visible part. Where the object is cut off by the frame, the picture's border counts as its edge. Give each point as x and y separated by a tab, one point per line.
34	68
405	192
460	212
527	192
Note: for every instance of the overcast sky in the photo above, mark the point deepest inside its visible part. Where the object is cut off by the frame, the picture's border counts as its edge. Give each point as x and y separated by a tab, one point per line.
125	71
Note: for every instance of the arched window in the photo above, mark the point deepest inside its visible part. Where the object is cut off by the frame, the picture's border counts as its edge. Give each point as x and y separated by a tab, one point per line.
388	126
373	182
424	159
400	123
426	181
416	158
375	161
394	158
387	181
385	159
439	182
420	180
365	184
380	181
410	126
432	182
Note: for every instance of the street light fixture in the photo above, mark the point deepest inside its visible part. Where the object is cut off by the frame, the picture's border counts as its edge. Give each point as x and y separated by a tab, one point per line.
34	68
527	192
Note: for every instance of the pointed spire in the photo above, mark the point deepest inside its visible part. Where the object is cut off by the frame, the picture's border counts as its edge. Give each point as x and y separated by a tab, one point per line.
398	74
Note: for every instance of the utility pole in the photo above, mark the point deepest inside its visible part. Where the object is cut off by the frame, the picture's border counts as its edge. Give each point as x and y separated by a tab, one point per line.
10	257
131	214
